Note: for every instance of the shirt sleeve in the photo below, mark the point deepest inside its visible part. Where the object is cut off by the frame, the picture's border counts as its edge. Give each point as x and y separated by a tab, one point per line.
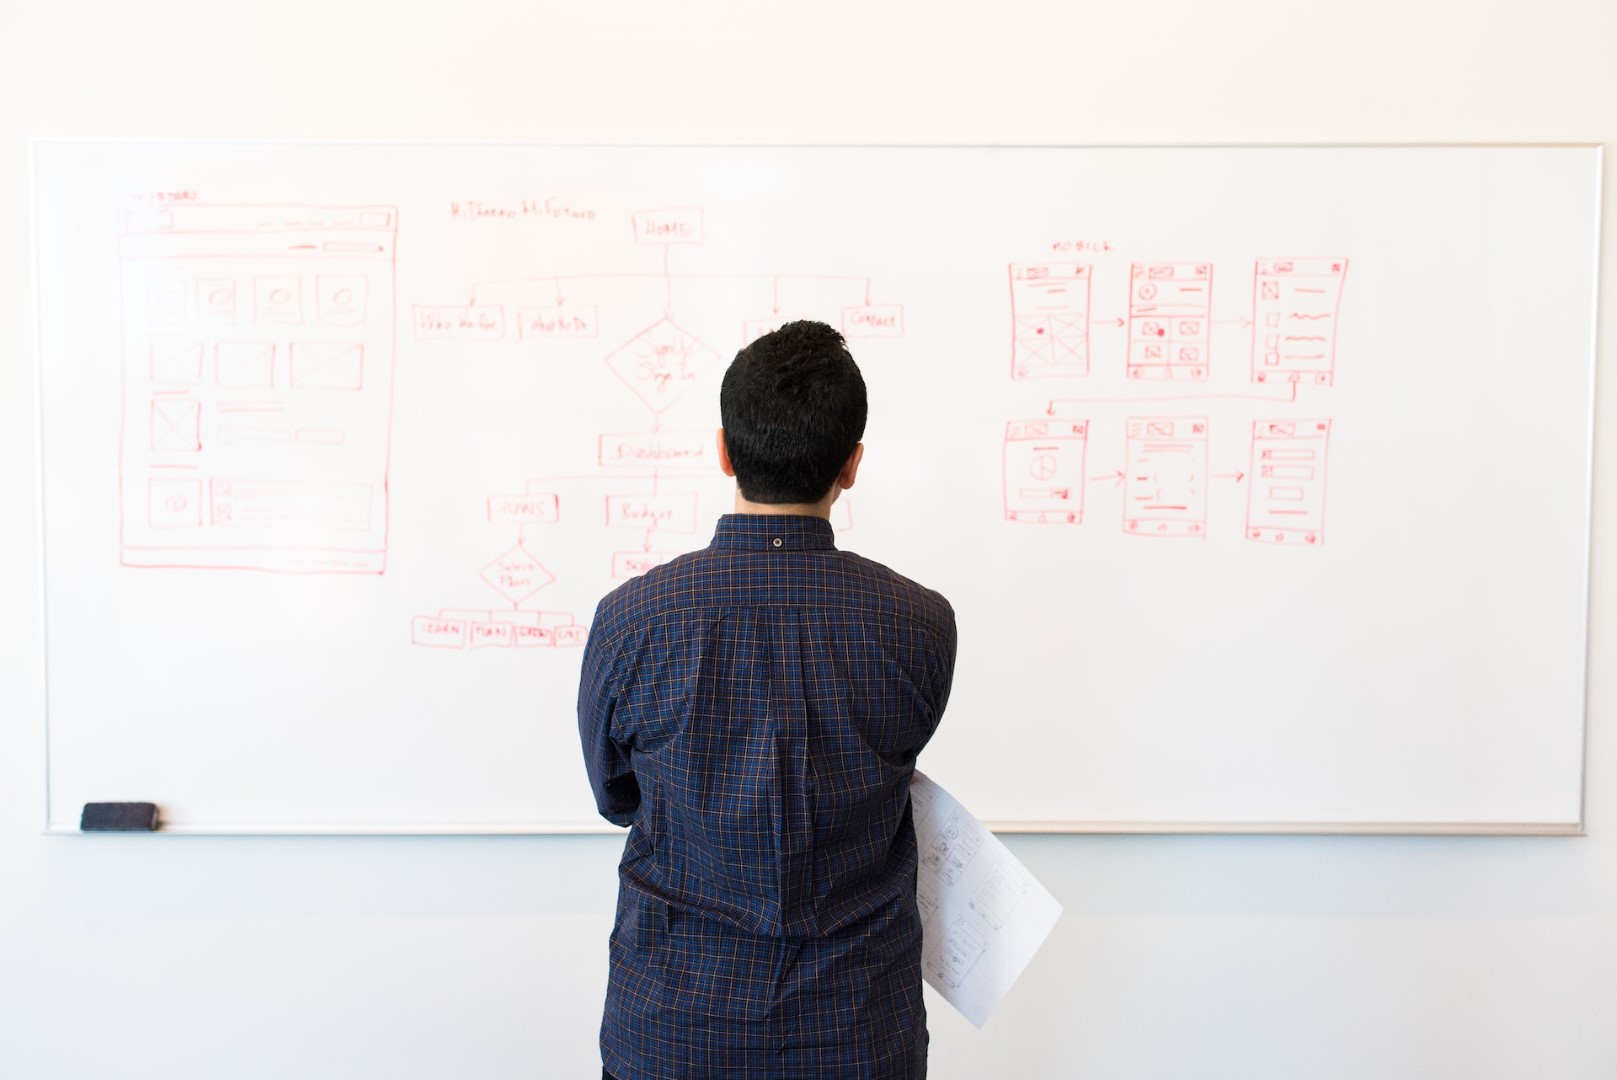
948	649
611	773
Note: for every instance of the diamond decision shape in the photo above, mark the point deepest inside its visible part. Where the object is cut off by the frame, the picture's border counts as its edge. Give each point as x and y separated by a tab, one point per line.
661	362
517	575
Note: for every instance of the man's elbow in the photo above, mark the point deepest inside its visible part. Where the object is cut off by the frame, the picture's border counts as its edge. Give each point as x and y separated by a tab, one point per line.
619	800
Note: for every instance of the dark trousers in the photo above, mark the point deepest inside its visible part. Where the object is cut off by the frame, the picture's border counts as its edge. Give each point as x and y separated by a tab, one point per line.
607	1076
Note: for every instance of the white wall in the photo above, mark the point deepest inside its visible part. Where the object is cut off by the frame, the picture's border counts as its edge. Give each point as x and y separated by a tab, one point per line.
169	957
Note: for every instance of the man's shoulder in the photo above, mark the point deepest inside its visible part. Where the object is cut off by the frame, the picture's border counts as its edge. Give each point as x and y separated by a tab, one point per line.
650	593
890	589
846	580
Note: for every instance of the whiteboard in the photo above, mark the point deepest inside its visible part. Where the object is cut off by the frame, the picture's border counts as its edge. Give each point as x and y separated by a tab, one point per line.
1258	477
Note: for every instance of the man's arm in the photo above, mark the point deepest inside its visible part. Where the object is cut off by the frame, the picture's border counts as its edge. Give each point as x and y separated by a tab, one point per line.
943	674
612	779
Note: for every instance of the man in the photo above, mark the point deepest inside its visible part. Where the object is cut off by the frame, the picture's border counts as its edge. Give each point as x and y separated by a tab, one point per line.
752	711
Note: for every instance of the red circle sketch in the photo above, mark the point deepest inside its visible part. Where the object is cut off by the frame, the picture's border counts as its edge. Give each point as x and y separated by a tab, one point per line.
1043	467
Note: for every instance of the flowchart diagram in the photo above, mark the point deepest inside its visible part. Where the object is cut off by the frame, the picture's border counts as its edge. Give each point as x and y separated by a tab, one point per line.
1167	473
655	485
259	345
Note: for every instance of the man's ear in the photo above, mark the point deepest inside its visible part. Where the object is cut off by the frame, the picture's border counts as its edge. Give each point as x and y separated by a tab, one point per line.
850	468
724	454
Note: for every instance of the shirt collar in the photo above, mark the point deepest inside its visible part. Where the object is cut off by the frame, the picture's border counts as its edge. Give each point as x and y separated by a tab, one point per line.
773	532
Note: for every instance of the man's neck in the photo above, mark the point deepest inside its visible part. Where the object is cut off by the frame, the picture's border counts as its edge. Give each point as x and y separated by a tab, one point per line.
821	509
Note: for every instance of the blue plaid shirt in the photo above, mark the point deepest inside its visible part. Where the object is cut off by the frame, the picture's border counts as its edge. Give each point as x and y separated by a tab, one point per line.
752	711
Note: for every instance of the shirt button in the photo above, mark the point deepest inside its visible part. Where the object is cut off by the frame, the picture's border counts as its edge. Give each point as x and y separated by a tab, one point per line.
777	541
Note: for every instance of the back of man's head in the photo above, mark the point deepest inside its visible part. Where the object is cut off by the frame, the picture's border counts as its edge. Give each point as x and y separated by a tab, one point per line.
793	408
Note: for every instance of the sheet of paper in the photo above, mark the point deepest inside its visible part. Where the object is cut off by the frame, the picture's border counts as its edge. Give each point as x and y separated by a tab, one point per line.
983	916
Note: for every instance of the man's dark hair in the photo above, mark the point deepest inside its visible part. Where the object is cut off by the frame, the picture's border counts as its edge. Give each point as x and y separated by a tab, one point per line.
793	408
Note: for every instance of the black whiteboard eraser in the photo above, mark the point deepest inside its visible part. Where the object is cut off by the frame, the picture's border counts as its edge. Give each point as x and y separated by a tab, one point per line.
118	817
